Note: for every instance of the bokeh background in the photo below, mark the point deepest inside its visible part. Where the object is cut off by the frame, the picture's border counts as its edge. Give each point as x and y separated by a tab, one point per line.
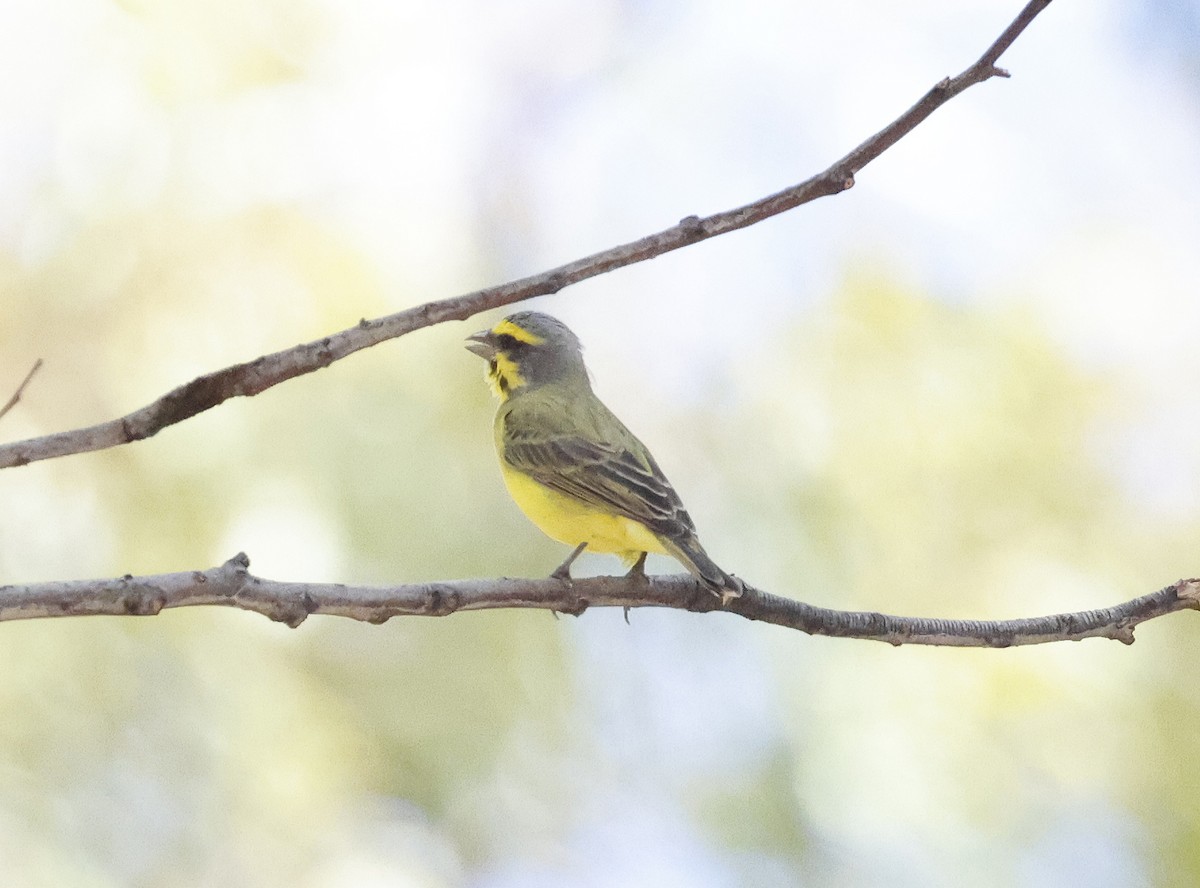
967	387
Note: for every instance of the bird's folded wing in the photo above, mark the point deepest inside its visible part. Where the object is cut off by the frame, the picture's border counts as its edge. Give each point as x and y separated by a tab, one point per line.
607	476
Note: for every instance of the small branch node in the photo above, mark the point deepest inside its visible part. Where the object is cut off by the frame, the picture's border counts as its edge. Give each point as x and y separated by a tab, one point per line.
1189	591
577	608
441	601
291	613
232	576
142	601
1123	633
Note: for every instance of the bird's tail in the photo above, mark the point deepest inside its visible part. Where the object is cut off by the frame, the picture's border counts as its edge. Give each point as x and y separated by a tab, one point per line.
691	555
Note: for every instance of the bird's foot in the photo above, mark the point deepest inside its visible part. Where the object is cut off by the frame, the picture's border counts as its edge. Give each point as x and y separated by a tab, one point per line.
563	571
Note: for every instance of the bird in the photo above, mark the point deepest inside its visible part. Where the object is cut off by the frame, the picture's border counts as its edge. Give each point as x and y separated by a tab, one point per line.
572	466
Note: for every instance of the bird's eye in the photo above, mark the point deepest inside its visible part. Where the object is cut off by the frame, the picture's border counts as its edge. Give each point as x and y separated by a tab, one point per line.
508	342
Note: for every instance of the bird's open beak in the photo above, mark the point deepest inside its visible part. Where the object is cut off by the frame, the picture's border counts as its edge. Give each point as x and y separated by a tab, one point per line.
482	344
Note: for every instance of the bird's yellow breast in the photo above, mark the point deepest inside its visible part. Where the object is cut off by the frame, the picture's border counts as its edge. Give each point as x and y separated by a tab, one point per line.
570	521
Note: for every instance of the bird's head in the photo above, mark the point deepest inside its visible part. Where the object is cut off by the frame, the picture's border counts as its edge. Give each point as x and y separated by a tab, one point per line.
526	350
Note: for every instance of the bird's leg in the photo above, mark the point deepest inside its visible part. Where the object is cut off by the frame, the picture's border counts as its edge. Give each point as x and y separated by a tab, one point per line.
563	571
637	572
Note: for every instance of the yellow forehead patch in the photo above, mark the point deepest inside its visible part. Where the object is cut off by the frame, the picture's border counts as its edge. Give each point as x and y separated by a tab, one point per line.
507	327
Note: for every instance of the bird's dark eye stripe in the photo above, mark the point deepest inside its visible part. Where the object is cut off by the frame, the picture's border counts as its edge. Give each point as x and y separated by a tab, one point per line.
509	342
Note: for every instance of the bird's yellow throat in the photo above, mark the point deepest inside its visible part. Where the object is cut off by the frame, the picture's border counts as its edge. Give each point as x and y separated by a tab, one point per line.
503	376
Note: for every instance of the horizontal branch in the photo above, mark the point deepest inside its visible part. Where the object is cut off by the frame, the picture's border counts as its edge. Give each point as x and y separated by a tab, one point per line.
256	376
232	585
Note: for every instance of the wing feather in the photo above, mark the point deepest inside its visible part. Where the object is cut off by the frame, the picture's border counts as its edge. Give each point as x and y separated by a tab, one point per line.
617	477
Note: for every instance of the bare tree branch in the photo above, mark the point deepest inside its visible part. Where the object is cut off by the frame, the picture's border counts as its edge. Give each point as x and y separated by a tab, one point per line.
232	585
12	402
262	373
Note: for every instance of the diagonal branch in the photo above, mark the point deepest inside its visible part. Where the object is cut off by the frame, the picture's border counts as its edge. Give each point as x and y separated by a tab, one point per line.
16	396
232	585
262	373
